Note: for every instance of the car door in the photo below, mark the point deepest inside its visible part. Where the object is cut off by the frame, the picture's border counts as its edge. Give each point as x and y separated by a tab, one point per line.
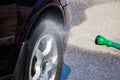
8	21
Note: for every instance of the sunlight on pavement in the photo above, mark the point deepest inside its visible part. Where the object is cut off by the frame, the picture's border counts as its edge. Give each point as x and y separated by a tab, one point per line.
102	19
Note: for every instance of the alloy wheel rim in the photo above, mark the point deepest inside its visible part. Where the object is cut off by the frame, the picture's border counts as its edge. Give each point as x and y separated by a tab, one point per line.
44	60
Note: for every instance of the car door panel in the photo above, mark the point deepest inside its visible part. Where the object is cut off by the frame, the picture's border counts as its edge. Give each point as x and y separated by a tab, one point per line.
8	23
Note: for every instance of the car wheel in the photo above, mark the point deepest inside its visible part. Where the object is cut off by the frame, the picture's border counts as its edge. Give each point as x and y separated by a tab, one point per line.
45	51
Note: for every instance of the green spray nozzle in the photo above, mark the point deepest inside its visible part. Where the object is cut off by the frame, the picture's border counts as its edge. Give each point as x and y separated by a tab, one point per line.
100	40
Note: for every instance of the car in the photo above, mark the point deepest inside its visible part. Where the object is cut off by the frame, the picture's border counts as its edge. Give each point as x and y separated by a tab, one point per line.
31	43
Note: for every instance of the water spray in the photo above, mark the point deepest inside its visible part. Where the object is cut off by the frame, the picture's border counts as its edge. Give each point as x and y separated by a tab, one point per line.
100	40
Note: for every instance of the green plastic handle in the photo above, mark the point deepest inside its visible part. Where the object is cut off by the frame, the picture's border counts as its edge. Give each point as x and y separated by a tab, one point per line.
100	40
116	45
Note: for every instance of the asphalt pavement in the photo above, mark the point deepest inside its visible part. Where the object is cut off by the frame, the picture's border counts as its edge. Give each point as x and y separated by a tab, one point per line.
87	60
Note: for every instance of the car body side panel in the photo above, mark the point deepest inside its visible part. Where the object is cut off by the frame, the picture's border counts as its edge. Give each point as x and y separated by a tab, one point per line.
24	12
8	23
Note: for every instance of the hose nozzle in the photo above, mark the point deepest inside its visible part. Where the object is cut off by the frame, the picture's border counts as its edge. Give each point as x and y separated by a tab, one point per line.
100	40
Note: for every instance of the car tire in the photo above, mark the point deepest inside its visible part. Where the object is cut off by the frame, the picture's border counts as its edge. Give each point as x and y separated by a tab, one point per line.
45	49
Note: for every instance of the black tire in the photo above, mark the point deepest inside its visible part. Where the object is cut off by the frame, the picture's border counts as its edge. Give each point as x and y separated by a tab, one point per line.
47	25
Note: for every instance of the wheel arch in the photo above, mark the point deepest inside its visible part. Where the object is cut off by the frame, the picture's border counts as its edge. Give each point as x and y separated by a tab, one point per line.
39	15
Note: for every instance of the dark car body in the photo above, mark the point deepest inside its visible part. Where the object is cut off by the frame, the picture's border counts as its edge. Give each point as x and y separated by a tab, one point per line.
16	20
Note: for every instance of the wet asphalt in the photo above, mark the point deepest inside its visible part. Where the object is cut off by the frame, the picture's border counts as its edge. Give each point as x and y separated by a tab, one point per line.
87	63
91	65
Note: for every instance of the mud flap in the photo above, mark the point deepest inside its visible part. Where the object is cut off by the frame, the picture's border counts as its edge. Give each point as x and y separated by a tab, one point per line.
20	66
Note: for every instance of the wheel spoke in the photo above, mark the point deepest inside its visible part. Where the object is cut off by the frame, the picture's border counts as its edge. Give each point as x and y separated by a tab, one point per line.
48	47
49	70
37	74
39	55
54	59
37	64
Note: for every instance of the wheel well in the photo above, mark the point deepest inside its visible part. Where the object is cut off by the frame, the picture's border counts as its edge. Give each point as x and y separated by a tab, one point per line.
57	12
